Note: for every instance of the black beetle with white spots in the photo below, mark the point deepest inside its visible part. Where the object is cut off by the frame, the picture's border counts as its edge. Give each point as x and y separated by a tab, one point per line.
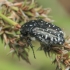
46	33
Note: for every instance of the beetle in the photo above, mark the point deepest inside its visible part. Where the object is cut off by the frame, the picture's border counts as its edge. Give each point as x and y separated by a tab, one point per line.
45	32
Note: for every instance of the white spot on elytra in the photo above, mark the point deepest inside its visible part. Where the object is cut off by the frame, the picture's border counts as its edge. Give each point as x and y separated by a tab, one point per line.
49	25
30	25
41	21
46	23
61	31
42	35
51	38
38	33
46	36
55	39
58	39
53	25
58	34
56	29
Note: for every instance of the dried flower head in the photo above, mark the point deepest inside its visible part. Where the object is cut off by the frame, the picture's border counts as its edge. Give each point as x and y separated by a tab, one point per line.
13	15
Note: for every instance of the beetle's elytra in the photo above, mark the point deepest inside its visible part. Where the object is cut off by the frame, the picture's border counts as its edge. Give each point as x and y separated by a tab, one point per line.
45	32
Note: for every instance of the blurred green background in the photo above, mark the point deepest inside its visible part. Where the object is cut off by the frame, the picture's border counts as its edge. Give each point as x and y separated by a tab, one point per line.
41	62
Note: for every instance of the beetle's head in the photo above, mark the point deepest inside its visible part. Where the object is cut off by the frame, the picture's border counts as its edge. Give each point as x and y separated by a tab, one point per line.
23	32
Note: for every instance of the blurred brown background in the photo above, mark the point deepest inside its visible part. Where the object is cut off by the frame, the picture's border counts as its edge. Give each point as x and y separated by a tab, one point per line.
66	5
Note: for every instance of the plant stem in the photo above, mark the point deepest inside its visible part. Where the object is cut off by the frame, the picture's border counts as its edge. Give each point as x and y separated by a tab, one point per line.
9	21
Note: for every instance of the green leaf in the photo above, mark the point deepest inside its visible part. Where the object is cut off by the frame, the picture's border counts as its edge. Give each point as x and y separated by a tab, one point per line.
15	8
6	26
9	21
32	5
29	14
24	3
38	9
10	33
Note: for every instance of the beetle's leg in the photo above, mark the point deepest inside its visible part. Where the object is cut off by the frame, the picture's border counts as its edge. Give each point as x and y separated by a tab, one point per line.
40	48
46	48
29	42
